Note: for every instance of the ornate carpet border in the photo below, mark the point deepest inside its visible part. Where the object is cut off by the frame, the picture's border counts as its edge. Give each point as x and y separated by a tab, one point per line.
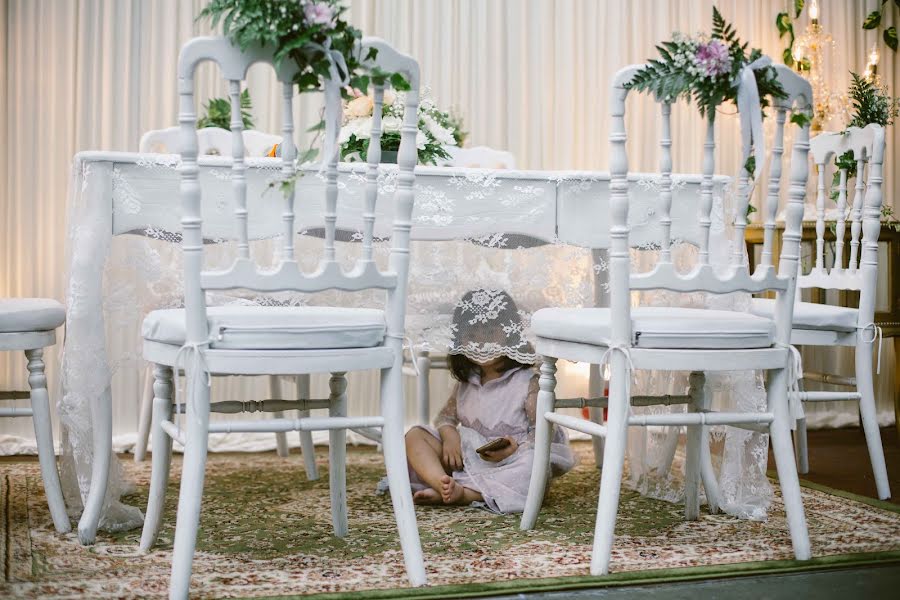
631	578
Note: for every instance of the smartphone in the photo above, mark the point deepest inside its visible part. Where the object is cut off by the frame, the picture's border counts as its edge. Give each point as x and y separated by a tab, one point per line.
497	444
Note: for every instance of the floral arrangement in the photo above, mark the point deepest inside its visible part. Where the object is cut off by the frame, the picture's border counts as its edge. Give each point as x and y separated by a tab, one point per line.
437	128
312	33
705	68
871	103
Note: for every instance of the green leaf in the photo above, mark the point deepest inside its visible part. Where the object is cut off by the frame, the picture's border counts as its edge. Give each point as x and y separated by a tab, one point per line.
890	37
798	7
788	57
783	23
320	126
873	20
399	82
801	119
750	165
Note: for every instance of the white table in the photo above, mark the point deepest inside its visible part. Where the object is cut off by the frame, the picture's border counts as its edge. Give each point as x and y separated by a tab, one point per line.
500	216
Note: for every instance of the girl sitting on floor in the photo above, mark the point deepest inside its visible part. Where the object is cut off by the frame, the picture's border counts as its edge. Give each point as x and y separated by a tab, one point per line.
495	397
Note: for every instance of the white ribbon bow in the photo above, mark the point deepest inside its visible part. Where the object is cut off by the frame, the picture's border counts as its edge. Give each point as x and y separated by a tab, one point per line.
876	335
795	376
339	76
624	349
195	363
750	108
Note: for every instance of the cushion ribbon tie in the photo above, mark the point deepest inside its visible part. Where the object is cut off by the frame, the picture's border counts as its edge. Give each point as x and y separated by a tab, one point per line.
195	362
625	350
876	335
795	376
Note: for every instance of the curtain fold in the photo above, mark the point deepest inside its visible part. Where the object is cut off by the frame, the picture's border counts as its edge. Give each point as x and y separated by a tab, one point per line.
528	76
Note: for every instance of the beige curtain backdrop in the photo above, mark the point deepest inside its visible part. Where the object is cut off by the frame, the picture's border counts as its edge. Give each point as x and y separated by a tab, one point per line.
529	76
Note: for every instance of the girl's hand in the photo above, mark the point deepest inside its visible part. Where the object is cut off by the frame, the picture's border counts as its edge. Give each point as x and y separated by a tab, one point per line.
451	455
498	455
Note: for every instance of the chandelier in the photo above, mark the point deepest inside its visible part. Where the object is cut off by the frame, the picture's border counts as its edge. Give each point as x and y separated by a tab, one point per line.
813	52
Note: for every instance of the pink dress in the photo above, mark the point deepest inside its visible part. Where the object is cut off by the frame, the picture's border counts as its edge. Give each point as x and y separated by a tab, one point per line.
501	407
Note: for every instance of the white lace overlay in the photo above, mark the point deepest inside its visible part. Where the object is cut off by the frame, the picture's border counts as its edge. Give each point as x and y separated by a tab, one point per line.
473	229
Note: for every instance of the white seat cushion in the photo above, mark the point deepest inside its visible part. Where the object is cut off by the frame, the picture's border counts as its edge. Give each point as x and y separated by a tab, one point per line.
658	327
807	315
274	327
30	314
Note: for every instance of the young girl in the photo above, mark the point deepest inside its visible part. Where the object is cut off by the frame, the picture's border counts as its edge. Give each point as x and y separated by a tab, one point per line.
495	397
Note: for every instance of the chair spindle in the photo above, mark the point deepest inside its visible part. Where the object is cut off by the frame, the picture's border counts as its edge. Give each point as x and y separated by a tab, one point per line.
238	168
665	193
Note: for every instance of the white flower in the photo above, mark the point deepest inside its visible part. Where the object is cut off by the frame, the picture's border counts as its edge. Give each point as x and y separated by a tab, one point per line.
421	140
440	133
391	124
389	97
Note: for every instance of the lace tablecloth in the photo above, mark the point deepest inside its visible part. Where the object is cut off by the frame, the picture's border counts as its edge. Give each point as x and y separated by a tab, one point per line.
539	235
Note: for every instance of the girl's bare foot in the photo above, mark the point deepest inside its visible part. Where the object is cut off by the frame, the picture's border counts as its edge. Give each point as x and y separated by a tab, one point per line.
427	496
451	492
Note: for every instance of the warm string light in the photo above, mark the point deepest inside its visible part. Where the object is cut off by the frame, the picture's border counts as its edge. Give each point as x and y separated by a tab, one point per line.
871	72
812	52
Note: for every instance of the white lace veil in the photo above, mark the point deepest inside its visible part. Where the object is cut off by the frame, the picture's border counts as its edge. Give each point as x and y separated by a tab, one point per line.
487	324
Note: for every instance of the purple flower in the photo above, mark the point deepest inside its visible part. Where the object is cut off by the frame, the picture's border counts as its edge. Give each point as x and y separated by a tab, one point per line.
318	13
713	58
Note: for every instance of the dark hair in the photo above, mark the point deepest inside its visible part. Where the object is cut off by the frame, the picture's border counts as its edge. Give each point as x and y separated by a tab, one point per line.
462	367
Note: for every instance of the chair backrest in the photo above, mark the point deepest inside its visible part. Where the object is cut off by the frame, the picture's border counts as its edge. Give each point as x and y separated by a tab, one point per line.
704	277
860	270
244	272
480	157
211	141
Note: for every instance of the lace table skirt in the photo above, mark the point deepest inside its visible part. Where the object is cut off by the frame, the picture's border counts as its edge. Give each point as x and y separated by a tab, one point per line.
527	232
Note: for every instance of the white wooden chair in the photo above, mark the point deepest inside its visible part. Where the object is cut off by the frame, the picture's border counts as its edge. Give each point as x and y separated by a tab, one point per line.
217	141
825	325
29	325
210	141
679	339
278	340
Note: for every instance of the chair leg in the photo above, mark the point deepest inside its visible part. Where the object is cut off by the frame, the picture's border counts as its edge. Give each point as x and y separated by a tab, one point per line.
423	392
306	440
869	417
191	494
146	416
337	455
596	383
43	434
540	466
613	464
161	455
394	449
281	445
780	437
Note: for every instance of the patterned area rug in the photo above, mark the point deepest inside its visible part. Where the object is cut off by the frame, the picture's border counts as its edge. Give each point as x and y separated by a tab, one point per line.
266	531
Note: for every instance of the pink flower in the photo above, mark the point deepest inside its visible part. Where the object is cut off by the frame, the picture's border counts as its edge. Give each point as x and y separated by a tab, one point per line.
713	58
318	13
